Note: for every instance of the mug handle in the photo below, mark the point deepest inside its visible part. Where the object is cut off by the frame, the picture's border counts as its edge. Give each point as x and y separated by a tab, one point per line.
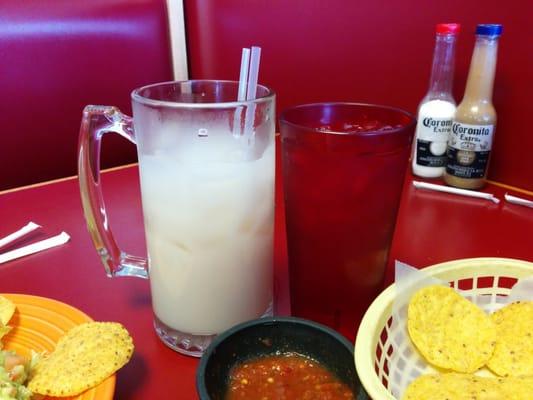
97	121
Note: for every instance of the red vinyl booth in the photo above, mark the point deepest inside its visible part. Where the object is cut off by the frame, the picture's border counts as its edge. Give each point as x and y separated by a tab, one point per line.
370	51
58	56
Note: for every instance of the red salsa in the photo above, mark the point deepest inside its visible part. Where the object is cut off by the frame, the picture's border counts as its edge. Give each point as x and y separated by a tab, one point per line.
285	377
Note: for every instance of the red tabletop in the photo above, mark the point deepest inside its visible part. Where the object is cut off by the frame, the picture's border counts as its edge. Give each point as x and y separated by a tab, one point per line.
73	273
435	227
431	227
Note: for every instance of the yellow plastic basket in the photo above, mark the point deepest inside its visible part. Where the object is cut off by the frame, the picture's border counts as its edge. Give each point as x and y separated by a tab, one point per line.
475	276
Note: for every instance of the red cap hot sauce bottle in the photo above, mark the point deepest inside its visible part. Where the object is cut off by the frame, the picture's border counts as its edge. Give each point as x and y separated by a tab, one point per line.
437	108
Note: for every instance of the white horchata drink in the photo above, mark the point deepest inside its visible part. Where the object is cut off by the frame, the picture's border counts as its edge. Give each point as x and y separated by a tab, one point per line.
206	164
208	214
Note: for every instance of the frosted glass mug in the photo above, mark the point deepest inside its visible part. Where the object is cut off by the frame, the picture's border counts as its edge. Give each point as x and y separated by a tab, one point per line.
206	165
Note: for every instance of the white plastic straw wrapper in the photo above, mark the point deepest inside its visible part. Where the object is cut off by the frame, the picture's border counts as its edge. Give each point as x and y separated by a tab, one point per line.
461	192
518	200
36	247
18	234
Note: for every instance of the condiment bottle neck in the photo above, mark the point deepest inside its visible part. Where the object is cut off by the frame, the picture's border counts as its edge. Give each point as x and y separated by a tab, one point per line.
482	70
441	81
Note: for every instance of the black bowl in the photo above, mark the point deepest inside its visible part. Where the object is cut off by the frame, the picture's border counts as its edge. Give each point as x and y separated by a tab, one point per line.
269	336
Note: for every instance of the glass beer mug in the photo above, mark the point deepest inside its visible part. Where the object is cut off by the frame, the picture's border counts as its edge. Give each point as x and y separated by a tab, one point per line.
206	164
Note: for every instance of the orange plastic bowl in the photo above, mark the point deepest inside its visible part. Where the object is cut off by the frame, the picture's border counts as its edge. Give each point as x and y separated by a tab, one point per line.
38	323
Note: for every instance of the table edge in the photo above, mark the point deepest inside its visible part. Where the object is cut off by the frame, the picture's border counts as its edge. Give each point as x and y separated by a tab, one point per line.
67	178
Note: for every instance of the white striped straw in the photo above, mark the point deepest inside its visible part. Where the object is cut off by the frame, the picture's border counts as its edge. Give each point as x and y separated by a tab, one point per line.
254	73
243	77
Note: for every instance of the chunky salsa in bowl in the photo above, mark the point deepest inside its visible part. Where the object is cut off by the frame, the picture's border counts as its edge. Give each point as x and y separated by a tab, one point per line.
280	358
285	376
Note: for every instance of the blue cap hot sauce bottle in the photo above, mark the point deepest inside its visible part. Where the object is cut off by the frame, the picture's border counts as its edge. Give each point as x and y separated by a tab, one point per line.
470	141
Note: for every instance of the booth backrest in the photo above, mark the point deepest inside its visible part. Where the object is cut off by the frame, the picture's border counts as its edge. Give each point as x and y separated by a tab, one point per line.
58	56
370	51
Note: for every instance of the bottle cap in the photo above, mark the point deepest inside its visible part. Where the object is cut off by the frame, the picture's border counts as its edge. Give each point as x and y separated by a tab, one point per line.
489	29
448	28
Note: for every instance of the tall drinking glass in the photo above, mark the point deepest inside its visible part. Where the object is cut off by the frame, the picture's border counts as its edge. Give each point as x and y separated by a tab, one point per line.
343	169
206	167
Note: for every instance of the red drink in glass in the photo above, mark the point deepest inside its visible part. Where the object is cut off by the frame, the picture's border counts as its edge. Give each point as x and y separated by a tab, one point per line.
343	170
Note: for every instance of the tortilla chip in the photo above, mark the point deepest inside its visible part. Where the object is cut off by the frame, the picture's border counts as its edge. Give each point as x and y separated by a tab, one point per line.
83	358
454	386
4	330
7	309
513	353
517	388
449	331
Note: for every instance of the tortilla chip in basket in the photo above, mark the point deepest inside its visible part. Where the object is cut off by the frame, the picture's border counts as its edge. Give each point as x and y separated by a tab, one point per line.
454	386
449	331
513	354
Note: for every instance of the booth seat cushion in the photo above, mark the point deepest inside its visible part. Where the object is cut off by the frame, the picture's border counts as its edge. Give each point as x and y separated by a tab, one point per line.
57	56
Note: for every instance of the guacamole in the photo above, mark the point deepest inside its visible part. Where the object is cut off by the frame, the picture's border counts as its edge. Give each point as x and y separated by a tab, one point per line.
14	371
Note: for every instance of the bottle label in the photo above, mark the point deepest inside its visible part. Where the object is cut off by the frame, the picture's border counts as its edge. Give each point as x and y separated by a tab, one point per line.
468	150
432	135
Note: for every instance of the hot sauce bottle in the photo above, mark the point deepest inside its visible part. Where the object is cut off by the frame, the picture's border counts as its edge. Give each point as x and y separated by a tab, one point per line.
470	139
437	108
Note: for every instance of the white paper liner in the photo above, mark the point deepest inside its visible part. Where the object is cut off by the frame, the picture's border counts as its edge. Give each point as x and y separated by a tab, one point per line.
406	363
